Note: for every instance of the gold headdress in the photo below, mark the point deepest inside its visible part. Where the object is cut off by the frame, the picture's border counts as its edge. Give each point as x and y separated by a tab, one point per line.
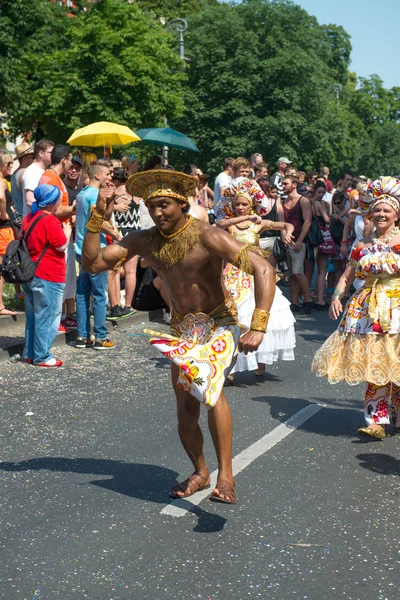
162	183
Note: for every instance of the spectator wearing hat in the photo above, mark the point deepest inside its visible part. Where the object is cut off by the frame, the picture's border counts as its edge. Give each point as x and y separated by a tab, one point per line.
31	177
24	155
277	177
44	294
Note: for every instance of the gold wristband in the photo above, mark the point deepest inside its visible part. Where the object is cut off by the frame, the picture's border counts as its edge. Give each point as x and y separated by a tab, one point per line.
95	222
337	294
259	320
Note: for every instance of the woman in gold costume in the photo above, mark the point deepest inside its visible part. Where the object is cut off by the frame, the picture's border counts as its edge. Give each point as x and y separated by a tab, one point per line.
366	345
243	207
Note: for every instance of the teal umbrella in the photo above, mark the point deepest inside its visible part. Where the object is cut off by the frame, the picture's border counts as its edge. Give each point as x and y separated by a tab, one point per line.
165	136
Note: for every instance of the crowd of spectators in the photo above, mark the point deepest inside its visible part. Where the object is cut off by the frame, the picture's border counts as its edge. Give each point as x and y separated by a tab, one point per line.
325	218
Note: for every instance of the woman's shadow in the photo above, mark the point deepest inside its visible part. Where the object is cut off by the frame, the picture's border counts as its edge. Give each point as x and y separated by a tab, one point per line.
146	482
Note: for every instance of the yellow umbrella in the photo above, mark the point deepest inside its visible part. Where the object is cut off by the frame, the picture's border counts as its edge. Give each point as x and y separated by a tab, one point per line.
103	133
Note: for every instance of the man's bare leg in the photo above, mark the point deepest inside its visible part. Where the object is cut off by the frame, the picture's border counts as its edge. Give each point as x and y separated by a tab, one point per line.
220	425
190	434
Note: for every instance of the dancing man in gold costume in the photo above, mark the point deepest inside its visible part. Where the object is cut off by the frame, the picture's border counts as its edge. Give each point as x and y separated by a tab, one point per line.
189	256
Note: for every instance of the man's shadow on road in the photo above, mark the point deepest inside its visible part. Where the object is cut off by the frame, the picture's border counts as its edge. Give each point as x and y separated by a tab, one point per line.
150	483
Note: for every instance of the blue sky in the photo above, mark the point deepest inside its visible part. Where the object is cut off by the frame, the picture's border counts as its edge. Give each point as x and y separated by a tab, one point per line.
374	29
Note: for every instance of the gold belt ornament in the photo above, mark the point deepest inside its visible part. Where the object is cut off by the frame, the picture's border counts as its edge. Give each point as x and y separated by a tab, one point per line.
379	303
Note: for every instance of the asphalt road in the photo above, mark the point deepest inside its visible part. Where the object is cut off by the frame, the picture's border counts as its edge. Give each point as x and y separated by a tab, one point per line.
90	451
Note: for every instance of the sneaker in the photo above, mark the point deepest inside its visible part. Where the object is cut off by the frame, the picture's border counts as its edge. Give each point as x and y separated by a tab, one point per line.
82	343
63	329
127	311
103	345
52	362
72	316
69	323
307	307
114	313
295	308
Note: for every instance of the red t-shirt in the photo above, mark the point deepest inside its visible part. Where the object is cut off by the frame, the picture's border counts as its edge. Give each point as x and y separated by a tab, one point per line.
52	178
48	231
329	186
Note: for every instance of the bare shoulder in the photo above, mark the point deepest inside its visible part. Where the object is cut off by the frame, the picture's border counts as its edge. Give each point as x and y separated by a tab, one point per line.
305	201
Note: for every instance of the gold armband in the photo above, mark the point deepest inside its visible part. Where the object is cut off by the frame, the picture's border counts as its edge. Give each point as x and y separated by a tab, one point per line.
259	320
352	262
121	260
95	222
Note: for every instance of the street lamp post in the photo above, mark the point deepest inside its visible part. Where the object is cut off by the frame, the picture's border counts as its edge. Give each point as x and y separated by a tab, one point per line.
336	88
180	25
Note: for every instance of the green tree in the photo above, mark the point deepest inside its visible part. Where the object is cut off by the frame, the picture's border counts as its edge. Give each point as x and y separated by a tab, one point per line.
113	64
27	29
259	83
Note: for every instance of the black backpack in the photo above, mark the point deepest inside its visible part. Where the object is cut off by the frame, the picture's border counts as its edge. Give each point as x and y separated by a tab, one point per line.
18	267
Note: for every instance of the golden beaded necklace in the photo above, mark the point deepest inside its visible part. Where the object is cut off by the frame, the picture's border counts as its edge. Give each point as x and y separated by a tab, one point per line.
172	235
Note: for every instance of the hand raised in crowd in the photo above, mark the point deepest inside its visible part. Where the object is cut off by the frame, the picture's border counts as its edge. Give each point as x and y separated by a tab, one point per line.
335	309
105	199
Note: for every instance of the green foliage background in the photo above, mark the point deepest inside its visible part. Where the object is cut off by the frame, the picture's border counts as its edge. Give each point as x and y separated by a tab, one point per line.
261	78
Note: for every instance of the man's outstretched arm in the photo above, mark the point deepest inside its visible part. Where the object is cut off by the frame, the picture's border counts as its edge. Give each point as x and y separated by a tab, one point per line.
96	259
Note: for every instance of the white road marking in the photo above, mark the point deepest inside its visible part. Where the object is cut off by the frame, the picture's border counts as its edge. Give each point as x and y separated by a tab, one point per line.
180	506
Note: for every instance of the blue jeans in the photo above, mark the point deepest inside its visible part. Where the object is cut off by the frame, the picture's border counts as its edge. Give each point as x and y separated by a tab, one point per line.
43	303
97	286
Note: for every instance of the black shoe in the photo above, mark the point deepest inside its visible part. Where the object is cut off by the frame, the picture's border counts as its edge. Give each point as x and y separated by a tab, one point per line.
324	306
126	311
82	343
114	313
307	307
295	308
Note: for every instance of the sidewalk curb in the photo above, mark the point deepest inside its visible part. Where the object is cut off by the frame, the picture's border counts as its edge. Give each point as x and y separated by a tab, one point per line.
63	339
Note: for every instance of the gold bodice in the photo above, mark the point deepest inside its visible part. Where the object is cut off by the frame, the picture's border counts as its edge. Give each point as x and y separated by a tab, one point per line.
247	236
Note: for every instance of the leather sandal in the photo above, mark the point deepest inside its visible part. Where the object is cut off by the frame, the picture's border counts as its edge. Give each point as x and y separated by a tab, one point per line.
372	432
195	483
225	489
